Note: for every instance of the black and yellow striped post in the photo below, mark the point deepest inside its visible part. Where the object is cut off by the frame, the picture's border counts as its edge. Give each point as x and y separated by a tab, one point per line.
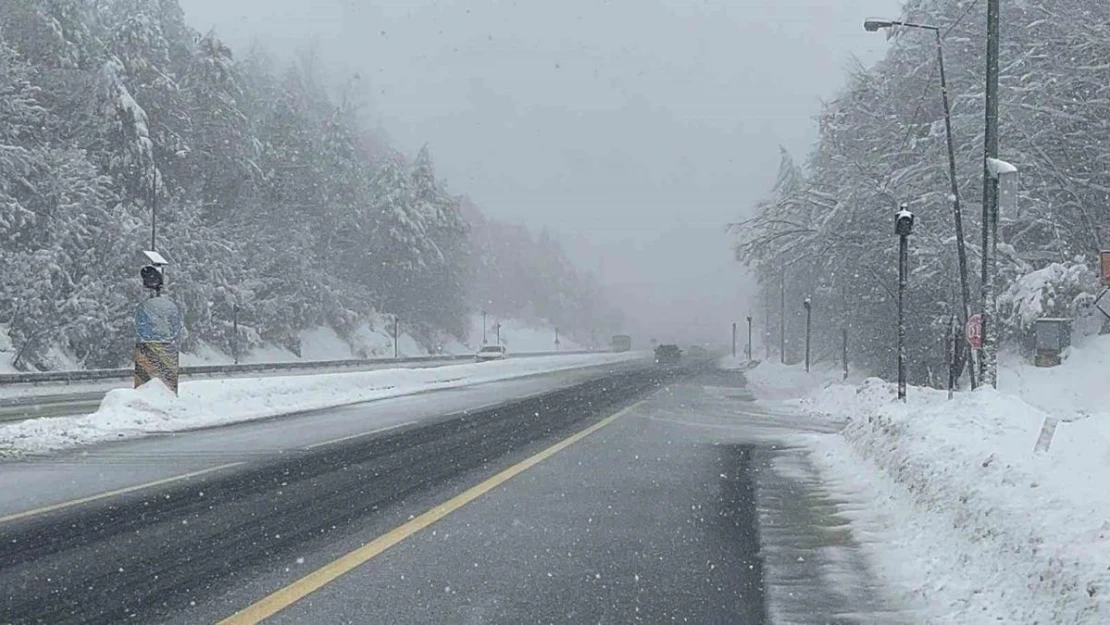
158	327
157	359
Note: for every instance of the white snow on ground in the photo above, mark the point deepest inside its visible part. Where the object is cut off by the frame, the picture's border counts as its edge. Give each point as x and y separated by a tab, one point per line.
519	336
323	343
955	506
773	381
7	351
128	413
370	340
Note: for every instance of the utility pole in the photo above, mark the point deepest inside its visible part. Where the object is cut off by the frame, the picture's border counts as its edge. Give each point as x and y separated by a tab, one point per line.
734	340
782	317
903	227
235	332
809	309
153	204
844	350
396	336
988	374
749	338
950	354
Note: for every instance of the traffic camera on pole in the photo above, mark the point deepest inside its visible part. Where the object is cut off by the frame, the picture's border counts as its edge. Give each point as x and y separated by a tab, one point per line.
903	221
152	273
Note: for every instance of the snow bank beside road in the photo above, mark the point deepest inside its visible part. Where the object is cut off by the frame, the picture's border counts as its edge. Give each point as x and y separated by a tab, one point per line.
133	412
1073	390
977	526
787	383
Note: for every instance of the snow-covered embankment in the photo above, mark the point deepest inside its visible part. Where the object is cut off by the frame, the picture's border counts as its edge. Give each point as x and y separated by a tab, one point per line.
957	508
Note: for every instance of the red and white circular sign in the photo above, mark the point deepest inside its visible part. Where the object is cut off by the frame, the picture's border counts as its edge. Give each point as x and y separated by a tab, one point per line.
974	331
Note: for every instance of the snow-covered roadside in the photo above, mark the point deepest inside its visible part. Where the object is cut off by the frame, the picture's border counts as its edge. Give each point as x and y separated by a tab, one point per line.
959	512
126	413
788	384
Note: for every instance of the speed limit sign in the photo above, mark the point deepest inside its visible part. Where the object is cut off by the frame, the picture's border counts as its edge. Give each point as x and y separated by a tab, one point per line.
974	331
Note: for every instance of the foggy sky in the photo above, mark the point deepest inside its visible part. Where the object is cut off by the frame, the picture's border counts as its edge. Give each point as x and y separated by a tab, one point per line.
632	129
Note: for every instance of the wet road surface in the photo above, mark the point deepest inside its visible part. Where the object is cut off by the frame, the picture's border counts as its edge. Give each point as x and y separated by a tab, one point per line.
643	495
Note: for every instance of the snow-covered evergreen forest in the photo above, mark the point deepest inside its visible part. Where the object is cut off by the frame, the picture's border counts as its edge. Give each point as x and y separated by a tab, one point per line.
827	227
272	193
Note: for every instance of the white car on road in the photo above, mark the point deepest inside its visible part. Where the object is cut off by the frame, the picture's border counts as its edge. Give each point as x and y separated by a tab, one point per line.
492	352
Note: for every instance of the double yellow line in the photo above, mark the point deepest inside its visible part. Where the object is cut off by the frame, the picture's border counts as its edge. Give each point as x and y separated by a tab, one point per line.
287	596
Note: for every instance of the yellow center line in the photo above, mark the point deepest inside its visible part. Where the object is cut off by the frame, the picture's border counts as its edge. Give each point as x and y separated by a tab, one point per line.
113	493
287	596
360	434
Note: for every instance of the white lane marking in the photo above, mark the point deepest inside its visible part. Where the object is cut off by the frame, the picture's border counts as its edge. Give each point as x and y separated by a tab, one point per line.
360	434
113	493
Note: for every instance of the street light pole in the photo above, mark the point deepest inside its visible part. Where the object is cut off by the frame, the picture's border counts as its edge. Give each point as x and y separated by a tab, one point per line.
484	341
153	209
903	227
235	331
396	336
734	340
809	309
903	258
749	338
782	318
957	209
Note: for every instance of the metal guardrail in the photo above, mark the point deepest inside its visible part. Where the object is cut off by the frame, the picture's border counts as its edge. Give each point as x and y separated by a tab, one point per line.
93	375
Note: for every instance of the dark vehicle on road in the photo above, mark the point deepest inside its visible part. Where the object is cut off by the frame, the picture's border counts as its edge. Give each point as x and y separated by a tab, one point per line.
621	343
668	354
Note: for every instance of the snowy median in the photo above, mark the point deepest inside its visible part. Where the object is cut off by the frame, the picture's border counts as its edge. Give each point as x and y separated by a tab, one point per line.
989	508
126	413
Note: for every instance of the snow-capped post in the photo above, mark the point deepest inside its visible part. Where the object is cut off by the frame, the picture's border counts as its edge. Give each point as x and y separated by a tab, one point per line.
235	332
950	354
749	338
158	327
782	316
844	350
396	336
999	173
903	227
809	310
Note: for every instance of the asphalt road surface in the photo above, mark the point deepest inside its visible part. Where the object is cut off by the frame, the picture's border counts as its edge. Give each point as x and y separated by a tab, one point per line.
636	494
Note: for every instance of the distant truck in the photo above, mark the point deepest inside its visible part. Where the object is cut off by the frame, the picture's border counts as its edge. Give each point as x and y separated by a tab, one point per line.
668	355
621	343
